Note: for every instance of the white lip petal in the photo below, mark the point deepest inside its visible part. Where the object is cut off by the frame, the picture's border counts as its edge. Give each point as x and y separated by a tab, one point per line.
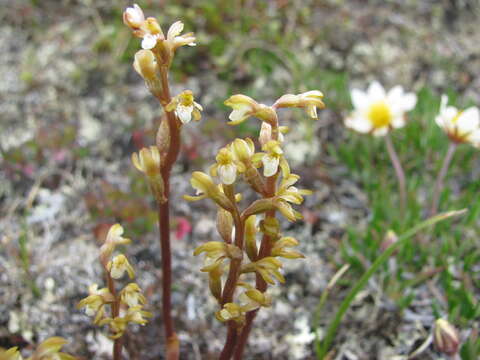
174	30
184	113
376	91
359	99
237	114
227	173
149	41
469	120
270	165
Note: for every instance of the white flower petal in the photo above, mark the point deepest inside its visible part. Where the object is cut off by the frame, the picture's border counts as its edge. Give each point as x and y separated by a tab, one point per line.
376	91
468	121
149	42
358	123
359	99
408	101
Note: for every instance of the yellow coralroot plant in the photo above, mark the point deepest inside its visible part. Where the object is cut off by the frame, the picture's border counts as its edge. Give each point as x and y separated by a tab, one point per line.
47	350
249	259
107	305
152	63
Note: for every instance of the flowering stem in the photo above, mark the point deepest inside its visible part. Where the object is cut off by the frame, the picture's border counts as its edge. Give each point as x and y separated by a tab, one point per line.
117	343
230	342
231	284
398	171
265	249
164	220
441	177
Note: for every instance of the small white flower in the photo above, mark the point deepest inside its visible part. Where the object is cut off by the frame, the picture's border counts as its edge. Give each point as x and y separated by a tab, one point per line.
460	126
377	111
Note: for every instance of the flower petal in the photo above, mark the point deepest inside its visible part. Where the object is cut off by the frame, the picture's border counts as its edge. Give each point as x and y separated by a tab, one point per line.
149	42
376	91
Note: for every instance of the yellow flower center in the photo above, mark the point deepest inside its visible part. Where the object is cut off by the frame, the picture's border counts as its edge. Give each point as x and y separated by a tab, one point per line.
455	119
380	114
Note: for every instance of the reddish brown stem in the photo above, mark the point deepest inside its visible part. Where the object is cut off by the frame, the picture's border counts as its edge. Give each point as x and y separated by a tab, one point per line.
117	344
235	264
261	285
164	224
227	351
172	344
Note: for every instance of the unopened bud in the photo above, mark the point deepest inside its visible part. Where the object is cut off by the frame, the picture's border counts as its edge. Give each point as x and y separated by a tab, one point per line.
389	239
163	138
225	225
446	337
258	206
251	238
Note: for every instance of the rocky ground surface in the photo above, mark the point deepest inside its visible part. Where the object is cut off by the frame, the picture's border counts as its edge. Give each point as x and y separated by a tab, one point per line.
61	94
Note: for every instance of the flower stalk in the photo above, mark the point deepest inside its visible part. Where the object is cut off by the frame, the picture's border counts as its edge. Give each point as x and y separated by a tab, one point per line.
441	177
402	187
153	64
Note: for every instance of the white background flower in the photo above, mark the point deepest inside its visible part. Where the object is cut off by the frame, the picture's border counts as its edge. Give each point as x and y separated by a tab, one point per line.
376	111
460	126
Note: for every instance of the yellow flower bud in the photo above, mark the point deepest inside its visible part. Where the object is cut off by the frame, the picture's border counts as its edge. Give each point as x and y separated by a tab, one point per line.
259	206
225	225
148	161
114	238
309	100
270	226
146	66
206	188
243	150
251	238
244	107
50	349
